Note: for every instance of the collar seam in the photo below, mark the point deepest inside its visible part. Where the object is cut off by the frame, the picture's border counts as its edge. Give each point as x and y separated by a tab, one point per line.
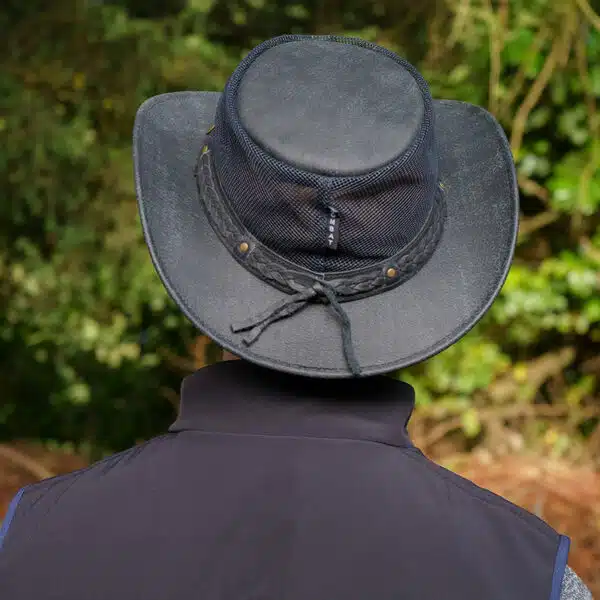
405	446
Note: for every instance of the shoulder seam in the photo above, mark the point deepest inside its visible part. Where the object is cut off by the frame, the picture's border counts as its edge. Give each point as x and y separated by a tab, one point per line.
46	485
497	501
58	478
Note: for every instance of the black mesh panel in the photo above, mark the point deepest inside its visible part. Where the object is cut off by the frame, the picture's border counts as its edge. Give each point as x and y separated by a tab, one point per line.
281	205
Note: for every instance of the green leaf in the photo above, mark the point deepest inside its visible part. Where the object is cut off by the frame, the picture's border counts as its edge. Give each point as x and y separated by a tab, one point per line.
79	393
471	423
297	11
517	46
239	16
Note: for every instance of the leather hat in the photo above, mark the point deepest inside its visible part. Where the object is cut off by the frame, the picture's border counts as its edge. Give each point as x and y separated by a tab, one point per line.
324	215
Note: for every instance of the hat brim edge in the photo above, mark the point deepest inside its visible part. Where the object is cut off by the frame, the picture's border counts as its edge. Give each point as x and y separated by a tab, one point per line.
221	335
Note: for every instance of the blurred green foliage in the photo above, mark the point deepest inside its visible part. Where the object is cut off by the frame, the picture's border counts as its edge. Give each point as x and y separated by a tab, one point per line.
87	333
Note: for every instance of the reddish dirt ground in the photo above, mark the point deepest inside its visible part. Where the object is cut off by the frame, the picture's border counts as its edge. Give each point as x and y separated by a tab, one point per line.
567	498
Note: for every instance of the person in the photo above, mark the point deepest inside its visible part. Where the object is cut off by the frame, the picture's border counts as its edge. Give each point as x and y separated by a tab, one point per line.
328	222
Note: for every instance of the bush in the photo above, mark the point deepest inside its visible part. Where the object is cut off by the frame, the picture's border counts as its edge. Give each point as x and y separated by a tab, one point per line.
88	337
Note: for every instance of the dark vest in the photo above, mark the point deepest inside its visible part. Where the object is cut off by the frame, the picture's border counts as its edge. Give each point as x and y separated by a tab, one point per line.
274	487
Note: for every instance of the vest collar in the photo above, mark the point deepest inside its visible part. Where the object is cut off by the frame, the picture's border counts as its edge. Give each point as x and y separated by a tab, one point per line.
241	398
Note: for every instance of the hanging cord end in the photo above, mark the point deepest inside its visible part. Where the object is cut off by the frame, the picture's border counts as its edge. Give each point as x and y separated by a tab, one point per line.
344	320
290	306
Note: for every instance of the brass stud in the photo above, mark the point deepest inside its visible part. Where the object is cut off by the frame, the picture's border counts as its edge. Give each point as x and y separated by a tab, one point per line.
391	273
244	247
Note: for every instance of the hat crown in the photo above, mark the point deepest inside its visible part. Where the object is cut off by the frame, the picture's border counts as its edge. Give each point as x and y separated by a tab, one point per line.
330	108
324	149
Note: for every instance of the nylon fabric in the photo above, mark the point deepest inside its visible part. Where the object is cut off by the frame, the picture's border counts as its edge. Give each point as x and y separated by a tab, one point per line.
271	486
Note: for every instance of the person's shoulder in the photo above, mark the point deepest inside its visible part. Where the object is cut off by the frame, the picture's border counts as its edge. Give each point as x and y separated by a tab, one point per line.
33	492
573	588
34	497
486	498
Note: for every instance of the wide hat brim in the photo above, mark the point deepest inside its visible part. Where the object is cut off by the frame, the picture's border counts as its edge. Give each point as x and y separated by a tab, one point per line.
391	330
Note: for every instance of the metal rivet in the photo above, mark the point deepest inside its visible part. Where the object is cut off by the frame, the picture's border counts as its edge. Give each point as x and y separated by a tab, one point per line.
391	273
244	247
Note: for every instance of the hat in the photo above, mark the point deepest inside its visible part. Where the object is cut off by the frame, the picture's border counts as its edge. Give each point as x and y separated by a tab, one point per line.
324	216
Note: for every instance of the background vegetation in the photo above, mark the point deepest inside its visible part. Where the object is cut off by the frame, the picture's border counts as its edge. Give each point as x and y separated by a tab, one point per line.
88	337
91	349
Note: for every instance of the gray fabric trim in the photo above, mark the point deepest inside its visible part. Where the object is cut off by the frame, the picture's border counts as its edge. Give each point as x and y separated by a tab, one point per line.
573	588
